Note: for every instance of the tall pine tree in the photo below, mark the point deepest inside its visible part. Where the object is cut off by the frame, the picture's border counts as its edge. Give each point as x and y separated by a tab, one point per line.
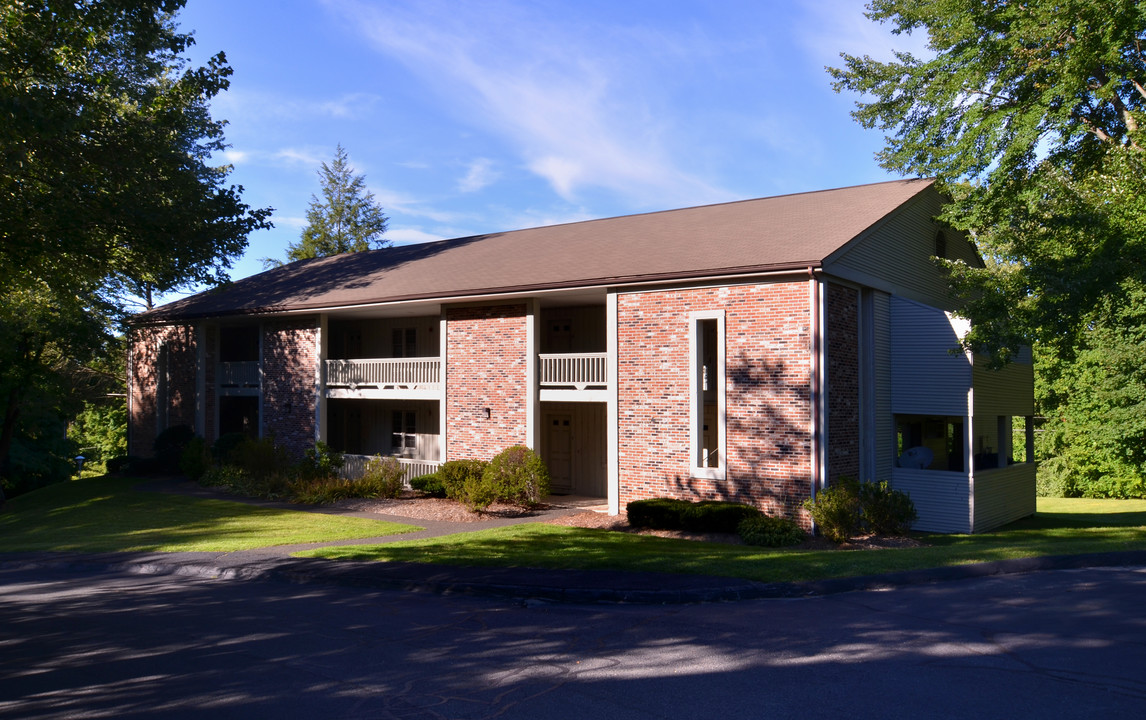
345	219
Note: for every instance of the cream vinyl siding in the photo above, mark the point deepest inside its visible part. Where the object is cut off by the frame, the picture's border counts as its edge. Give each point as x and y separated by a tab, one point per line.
942	499
587	329
926	379
1003	495
896	256
377	336
589	454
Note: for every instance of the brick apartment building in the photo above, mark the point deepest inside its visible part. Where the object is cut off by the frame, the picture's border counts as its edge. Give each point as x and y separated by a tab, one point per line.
753	350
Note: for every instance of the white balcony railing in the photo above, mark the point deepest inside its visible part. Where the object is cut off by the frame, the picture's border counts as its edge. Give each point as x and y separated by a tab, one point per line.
384	373
577	370
354	466
238	374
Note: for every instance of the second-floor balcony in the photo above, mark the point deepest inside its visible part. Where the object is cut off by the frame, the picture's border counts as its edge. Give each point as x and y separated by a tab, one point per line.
384	377
238	378
583	376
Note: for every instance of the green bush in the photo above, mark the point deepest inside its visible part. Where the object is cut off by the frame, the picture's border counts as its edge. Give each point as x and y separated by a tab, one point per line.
169	445
886	511
196	459
770	531
703	516
456	473
519	475
430	485
836	510
321	461
121	464
516	475
258	468
656	513
382	479
223	449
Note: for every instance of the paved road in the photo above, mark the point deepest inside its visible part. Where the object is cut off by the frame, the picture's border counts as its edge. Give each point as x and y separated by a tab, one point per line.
1069	644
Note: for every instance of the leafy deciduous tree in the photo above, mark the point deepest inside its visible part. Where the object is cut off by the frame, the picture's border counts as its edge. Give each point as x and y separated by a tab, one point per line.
107	187
1031	116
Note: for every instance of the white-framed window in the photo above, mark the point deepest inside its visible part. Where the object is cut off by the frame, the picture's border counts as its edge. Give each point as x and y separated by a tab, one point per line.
404	342
403	432
707	392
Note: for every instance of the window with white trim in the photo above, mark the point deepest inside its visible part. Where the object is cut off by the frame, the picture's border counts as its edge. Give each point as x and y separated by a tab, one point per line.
403	432
707	413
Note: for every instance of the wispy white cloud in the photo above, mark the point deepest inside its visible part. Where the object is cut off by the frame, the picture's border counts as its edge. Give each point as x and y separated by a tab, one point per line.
480	174
244	105
410	236
304	156
835	26
235	157
394	201
577	100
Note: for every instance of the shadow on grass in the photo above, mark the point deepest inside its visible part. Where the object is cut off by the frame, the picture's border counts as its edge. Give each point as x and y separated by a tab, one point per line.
106	515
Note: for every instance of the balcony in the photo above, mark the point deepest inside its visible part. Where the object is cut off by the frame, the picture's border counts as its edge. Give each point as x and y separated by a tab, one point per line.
354	466
238	378
573	376
409	378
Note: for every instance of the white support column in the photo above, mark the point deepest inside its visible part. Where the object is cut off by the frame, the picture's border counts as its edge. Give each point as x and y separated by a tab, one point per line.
443	376
533	394
612	413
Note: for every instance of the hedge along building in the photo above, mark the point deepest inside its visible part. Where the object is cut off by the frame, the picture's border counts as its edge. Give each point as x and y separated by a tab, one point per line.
754	351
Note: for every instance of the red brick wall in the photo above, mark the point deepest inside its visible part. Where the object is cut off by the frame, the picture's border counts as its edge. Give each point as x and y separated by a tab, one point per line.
486	367
843	382
290	357
767	373
182	358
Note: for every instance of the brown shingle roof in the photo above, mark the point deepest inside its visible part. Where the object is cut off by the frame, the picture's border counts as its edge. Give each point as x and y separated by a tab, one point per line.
782	232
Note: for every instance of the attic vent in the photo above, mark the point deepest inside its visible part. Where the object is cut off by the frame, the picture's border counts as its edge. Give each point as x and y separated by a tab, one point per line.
940	245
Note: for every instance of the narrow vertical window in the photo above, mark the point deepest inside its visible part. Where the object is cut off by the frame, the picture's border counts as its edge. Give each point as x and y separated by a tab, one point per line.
708	388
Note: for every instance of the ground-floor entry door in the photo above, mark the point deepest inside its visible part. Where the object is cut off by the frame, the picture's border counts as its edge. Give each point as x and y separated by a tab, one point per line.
559	448
573	446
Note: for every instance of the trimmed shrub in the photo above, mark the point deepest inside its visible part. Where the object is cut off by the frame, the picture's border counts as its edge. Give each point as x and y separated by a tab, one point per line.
886	511
769	531
717	516
703	516
836	510
517	476
430	485
196	459
456	473
169	445
656	513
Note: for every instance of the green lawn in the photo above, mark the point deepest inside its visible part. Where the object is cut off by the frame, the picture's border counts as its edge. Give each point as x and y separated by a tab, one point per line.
104	514
1061	527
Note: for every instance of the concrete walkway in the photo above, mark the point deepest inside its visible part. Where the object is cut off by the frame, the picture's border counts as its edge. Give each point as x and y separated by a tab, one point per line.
521	584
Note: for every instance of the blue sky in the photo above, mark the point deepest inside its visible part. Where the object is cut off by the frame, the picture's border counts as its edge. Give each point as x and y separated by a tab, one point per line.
473	117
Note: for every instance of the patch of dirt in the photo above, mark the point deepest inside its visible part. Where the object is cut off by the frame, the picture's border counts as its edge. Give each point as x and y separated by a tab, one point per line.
436	509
